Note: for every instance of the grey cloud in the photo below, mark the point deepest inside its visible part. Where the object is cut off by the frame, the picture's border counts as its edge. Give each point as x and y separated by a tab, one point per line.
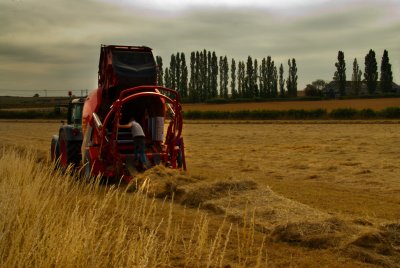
63	37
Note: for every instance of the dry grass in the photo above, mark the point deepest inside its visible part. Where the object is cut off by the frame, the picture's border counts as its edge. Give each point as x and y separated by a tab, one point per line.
329	105
50	219
53	220
274	195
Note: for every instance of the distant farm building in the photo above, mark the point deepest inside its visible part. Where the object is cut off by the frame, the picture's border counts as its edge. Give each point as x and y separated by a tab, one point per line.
332	89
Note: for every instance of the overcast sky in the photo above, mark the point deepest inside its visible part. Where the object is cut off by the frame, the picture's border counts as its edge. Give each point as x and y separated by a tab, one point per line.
54	44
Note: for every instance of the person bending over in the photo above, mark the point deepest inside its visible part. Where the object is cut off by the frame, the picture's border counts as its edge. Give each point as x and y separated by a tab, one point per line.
138	141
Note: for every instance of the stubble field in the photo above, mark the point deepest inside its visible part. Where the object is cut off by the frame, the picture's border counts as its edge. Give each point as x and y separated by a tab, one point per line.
313	194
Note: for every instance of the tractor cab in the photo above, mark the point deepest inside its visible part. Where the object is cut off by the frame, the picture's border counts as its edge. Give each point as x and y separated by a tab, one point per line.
75	109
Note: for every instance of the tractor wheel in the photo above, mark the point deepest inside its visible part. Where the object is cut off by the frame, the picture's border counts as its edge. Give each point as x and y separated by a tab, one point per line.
55	150
87	166
87	171
179	158
69	151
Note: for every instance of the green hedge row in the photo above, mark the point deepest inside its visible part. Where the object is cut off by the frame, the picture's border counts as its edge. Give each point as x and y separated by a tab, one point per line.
35	114
257	99
388	113
257	114
299	98
342	113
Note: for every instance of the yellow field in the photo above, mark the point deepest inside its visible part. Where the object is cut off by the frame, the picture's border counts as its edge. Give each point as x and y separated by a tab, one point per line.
305	195
375	104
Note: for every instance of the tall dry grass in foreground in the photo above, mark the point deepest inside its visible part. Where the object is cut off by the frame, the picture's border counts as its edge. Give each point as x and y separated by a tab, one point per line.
50	219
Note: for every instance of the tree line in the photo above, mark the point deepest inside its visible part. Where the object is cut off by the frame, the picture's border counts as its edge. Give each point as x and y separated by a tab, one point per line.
211	77
384	84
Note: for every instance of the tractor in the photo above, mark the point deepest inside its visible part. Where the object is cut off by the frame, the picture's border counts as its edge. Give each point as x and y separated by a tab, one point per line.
92	142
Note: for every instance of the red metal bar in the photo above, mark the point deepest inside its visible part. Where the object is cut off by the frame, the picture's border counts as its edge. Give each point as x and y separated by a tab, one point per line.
148	87
108	150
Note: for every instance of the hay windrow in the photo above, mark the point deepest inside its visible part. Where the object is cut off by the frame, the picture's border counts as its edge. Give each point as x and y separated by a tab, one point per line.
392	233
241	200
379	246
317	234
237	199
161	182
203	193
284	220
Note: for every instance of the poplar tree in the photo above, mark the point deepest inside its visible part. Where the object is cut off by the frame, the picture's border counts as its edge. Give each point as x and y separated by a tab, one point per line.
340	74
204	77
184	76
209	78
167	78
294	78
270	76
371	71
160	71
178	72
226	77
281	82
197	79
199	61
214	75
263	78
241	79
221	74
233	79
255	79
291	82
356	78
223	77
249	80
172	72
192	83
386	73
274	81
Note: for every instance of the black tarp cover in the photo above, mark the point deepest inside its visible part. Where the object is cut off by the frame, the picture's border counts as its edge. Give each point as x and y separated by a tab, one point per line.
131	64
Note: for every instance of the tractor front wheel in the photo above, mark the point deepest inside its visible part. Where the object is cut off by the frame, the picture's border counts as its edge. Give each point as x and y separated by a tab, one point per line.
69	151
87	166
54	150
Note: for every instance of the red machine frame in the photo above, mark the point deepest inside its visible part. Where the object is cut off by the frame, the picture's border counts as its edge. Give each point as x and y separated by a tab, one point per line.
102	154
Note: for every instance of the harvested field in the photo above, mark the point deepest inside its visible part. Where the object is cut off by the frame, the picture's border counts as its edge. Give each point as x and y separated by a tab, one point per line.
329	105
319	194
341	168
